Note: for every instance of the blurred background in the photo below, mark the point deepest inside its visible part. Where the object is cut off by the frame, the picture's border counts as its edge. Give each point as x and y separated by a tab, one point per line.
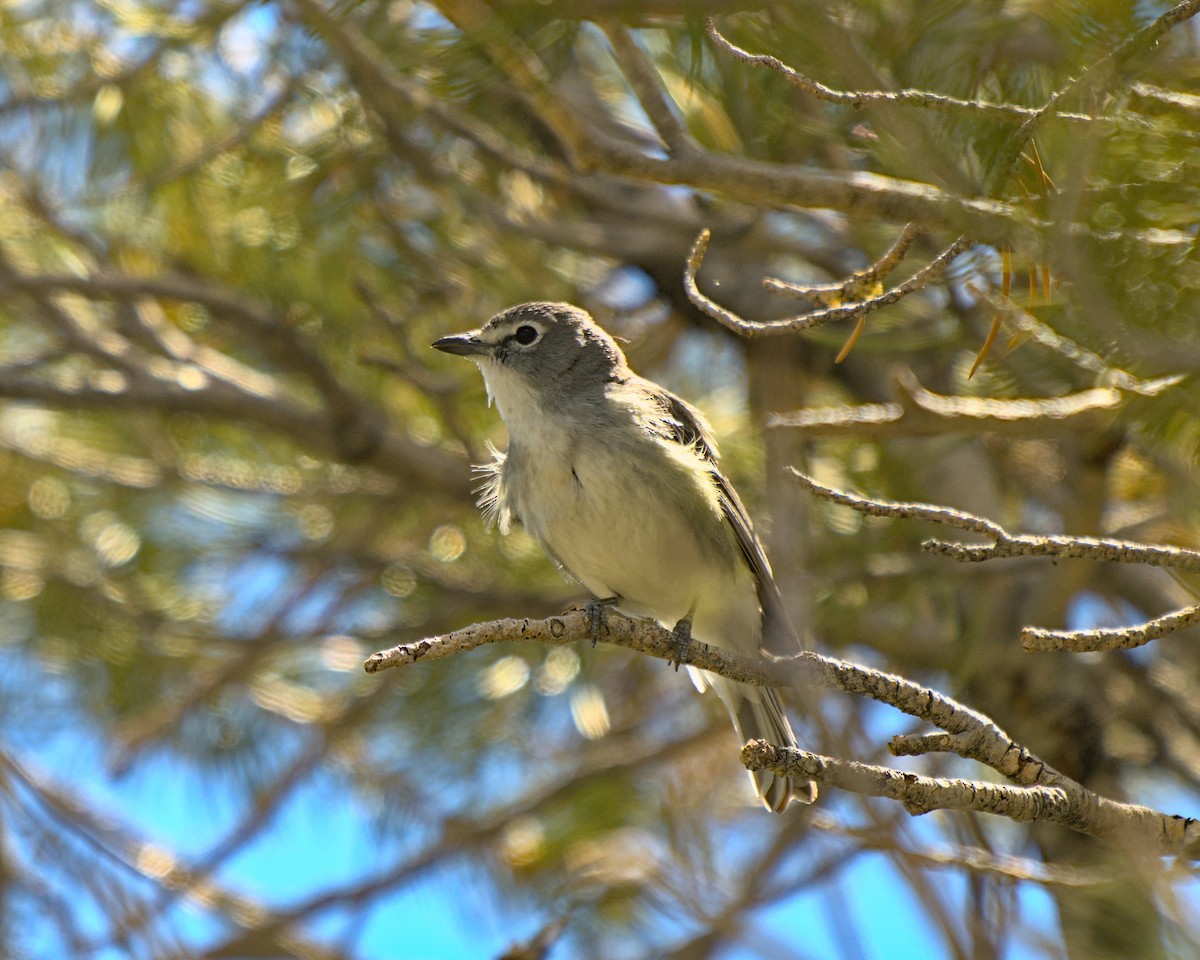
231	468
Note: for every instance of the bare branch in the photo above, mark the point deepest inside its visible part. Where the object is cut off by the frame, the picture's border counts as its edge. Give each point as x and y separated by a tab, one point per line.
912	511
903	98
751	329
857	286
1115	638
1059	545
1005	544
922	412
979	738
647	84
1055	797
1125	825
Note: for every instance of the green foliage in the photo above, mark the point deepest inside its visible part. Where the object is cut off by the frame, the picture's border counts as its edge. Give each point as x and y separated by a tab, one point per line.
230	467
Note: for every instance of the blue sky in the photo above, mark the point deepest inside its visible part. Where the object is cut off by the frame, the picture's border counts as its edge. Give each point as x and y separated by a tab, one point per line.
319	838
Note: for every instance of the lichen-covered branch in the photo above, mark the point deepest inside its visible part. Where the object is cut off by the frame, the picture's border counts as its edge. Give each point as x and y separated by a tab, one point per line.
1005	544
1125	825
901	98
966	732
1109	638
979	738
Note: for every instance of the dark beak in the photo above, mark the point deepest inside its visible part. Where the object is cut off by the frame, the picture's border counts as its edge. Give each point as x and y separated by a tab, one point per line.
464	345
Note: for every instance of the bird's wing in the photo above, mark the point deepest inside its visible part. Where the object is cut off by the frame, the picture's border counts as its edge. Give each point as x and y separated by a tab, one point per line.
685	425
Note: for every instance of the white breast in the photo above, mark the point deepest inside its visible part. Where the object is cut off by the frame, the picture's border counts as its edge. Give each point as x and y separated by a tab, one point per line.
601	510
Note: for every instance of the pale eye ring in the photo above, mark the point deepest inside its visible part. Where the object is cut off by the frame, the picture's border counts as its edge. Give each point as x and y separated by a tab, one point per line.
526	334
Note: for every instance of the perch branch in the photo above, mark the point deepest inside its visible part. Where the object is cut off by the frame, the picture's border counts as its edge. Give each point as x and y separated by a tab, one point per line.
969	734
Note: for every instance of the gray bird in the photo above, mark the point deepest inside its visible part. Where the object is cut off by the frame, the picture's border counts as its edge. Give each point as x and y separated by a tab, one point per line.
618	480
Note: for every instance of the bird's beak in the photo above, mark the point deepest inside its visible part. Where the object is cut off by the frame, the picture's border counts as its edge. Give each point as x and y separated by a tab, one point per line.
467	344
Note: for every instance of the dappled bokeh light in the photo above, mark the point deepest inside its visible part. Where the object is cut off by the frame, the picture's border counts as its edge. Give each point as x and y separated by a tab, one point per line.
231	467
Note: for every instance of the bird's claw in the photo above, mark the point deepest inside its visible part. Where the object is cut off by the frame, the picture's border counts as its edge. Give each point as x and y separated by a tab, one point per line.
682	635
596	612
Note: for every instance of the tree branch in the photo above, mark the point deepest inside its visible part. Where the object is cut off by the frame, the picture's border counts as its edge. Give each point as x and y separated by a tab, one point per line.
967	733
923	413
904	98
1005	544
1126	825
752	329
643	77
1109	638
978	737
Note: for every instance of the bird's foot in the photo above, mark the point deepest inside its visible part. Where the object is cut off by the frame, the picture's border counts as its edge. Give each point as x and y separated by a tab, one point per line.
596	612
681	633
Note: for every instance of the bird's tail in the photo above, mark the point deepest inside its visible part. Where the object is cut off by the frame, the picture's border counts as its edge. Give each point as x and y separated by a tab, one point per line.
757	714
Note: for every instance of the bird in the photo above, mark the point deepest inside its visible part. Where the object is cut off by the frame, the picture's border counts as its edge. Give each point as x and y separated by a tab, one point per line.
619	481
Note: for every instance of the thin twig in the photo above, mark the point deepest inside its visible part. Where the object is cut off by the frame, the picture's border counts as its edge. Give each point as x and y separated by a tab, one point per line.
1005	544
856	286
751	329
958	519
980	739
903	98
1109	638
922	412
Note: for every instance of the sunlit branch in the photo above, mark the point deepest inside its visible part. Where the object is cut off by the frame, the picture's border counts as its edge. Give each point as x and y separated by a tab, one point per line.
857	285
981	739
1188	102
752	329
1125	825
1007	545
1109	638
967	733
904	98
643	77
922	412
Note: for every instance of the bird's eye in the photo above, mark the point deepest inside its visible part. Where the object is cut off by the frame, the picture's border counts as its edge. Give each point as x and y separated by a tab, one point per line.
526	335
